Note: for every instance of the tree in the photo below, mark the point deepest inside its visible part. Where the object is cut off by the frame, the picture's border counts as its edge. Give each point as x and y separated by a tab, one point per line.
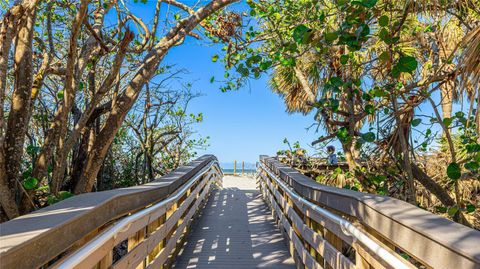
102	70
368	68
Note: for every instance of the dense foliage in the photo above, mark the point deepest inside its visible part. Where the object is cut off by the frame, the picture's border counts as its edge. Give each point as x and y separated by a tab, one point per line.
85	101
395	82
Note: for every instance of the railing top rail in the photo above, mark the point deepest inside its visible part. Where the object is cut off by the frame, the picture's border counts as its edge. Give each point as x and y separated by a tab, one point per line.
437	241
52	230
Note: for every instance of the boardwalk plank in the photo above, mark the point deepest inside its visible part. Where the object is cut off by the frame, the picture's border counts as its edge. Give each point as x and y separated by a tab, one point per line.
235	230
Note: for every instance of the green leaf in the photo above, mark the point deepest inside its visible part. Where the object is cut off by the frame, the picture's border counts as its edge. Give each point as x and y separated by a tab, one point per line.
406	64
369	137
384	56
177	16
428	132
447	121
344	59
453	171
370	109
369	3
30	183
472	166
62	195
265	65
416	122
60	94
357	82
384	35
215	58
383	20
212	79
471	148
51	199
441	209
243	71
81	85
336	81
452	211
302	34
470	208
343	135
334	104
367	97
288	61
330	37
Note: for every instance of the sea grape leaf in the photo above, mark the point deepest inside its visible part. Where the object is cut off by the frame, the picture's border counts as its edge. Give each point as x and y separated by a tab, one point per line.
416	122
215	58
369	109
472	166
383	20
302	34
330	37
453	171
452	211
30	183
406	64
369	3
369	137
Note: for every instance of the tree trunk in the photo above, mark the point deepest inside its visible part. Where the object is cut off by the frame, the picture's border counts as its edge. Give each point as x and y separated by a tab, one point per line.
71	79
349	156
125	101
7	192
19	110
45	156
447	100
7	198
436	189
478	115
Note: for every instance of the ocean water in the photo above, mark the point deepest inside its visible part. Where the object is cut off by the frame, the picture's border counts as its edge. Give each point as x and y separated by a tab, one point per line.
239	171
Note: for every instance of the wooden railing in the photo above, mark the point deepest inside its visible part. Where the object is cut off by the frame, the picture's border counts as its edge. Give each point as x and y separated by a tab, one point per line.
326	227
145	225
329	227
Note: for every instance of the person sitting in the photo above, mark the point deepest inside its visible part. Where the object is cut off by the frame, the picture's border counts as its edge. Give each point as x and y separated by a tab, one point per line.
332	157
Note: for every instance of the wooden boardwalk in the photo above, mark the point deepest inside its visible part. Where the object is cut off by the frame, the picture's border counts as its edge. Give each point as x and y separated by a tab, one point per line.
235	230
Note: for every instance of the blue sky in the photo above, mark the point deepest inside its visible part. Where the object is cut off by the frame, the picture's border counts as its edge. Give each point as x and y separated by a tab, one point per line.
241	124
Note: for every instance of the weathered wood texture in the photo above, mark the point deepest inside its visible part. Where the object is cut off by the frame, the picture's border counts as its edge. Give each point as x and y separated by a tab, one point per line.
306	242
236	231
431	240
35	239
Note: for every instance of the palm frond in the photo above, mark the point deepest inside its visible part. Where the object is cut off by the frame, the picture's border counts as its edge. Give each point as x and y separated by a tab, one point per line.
286	82
470	60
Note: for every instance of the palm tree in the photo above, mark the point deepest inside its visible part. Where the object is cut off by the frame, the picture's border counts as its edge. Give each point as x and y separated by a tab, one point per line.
471	67
298	85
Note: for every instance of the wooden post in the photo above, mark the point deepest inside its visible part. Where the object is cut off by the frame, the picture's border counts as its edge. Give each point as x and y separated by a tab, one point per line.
243	168
336	243
106	262
133	241
361	263
235	167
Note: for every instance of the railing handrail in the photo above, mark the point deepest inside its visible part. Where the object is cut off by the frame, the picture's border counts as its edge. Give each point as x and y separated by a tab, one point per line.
52	230
433	240
111	232
347	227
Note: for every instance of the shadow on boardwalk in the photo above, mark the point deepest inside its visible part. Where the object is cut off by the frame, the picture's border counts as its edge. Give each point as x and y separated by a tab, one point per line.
235	230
